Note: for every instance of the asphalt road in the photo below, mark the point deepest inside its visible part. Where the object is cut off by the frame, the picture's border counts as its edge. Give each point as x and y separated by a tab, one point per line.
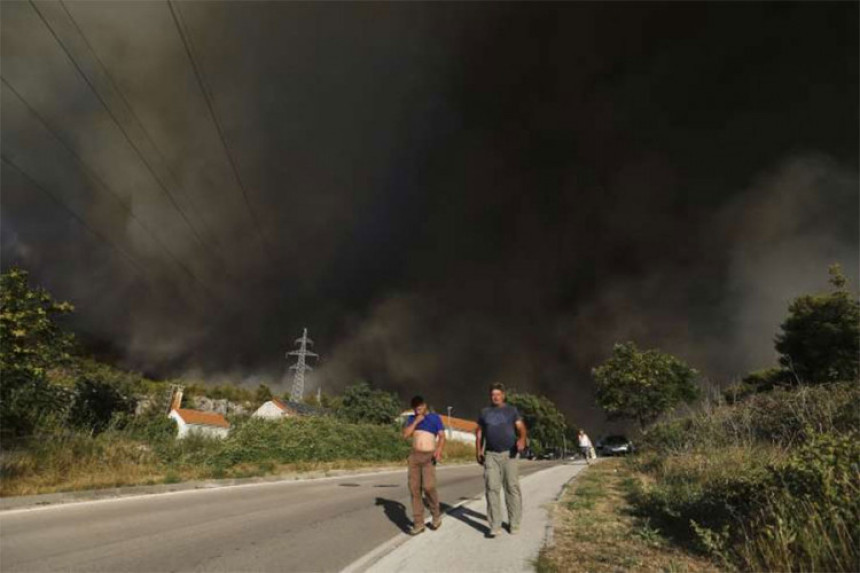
313	525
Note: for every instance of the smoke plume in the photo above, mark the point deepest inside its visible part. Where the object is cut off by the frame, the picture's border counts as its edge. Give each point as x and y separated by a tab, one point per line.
444	194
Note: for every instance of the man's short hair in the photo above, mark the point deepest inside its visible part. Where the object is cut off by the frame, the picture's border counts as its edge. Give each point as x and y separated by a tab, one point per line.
497	386
417	401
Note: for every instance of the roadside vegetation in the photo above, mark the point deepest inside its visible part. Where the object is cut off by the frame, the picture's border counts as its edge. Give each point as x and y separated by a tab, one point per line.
764	476
771	483
148	453
596	529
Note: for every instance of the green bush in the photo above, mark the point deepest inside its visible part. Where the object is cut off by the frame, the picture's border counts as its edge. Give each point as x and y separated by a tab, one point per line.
772	483
784	417
310	439
362	404
153	429
809	518
96	403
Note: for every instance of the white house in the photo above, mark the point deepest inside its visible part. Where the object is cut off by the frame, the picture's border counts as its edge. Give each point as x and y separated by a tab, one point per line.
201	423
460	430
456	429
276	408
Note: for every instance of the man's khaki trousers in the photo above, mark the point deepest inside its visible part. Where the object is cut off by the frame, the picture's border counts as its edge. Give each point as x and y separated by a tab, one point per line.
422	476
501	471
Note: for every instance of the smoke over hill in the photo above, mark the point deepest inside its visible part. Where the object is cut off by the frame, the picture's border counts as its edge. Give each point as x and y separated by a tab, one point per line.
443	194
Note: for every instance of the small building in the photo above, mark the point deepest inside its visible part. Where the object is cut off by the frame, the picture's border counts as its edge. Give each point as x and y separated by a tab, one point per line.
195	421
276	408
460	430
200	423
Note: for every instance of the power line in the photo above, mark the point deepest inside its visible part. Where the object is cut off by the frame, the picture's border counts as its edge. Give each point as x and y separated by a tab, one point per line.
110	112
187	43
92	175
128	258
136	118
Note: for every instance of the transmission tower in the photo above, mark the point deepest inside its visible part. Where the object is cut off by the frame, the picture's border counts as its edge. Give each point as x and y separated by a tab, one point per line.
300	366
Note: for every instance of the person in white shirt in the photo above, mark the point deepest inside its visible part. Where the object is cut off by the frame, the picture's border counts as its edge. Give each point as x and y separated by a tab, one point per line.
585	445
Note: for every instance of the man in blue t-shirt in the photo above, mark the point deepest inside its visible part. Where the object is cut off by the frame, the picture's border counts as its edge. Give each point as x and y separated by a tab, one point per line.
428	440
501	434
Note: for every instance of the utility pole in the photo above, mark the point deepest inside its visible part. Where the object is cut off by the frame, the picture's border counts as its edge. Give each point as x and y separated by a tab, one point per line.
300	366
449	422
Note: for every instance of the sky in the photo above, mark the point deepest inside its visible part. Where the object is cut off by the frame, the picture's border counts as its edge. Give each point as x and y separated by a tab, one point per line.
444	194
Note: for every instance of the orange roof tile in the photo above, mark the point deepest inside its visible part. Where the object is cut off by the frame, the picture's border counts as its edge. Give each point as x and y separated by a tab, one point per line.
202	418
280	404
459	424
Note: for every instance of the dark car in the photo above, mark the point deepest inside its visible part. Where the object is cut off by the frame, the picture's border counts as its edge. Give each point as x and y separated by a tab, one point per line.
549	455
615	446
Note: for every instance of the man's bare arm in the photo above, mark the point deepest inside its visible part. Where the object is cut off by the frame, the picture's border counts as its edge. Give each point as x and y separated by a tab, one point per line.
479	445
440	445
523	432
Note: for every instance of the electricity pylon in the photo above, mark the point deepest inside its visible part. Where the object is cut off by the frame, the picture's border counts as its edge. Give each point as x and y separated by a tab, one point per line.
300	366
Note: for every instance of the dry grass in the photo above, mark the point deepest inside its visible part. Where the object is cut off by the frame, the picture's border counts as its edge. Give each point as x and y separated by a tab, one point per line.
84	464
458	452
596	531
90	475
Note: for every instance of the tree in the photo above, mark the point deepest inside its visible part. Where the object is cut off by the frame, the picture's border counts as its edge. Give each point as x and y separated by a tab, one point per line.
362	404
820	339
756	382
263	394
642	385
99	393
95	404
544	421
31	343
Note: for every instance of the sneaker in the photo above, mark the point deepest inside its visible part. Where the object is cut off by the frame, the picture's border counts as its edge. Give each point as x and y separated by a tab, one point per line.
416	529
514	529
437	523
494	533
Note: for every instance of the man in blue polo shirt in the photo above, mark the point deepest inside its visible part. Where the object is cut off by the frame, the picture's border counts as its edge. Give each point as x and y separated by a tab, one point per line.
428	439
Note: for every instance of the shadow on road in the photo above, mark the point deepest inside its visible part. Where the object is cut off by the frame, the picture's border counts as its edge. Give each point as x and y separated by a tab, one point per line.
468	516
396	512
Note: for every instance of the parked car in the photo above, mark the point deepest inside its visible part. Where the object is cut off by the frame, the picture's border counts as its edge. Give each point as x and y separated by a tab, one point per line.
615	446
549	455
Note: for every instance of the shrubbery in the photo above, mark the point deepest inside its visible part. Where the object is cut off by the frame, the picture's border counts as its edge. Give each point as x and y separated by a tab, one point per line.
783	417
363	404
767	484
132	448
310	439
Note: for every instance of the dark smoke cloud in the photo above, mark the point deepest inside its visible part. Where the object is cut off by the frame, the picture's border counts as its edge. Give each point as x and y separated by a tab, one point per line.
451	193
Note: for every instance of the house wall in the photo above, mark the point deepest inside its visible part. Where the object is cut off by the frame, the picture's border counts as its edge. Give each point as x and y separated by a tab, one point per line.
269	411
180	423
209	431
460	436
